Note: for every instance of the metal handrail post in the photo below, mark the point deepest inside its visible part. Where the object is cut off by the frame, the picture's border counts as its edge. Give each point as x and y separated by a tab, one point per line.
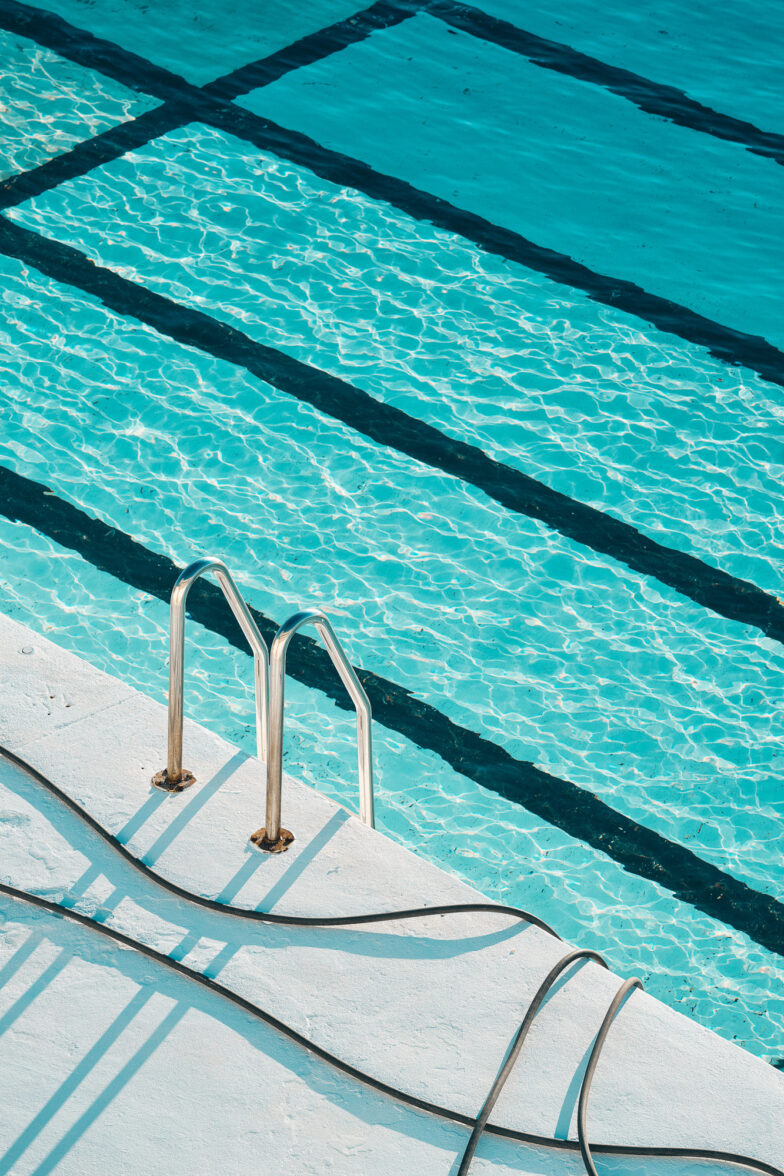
272	837
173	778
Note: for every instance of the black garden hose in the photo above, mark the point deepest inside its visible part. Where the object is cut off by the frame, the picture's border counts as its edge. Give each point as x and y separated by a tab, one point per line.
585	1088
264	916
477	1125
516	1046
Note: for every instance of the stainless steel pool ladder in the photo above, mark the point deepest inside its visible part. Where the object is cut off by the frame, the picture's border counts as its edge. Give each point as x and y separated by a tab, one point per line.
272	834
269	677
173	778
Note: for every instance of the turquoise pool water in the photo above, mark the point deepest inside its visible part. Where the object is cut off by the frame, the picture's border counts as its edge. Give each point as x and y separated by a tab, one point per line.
552	648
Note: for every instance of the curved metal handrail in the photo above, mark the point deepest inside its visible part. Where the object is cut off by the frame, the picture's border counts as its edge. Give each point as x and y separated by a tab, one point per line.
272	837
173	778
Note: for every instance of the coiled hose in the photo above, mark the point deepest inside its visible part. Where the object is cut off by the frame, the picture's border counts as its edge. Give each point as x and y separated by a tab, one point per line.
481	1123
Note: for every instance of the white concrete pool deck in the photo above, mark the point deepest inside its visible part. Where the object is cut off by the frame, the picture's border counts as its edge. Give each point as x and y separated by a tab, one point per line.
109	1062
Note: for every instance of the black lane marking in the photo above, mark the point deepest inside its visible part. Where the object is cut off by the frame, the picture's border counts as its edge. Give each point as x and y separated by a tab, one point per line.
142	75
561	803
105	57
724	343
95	53
233	912
309	49
254	915
735	599
727	344
108	146
651	97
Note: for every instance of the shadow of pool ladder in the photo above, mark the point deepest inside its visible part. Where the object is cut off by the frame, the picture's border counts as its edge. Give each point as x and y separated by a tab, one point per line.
269	667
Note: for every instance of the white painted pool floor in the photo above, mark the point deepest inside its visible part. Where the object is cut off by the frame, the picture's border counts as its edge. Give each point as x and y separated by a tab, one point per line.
110	1062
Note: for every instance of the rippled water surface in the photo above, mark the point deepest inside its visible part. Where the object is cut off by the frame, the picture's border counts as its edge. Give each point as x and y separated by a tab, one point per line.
570	660
575	394
205	40
412	102
726	57
48	104
562	656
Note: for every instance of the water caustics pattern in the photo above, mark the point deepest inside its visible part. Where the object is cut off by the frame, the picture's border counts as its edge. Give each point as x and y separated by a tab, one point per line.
48	104
491	353
561	655
584	677
570	146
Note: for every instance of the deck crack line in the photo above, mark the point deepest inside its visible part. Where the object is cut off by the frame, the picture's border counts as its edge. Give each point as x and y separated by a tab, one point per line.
580	813
36	741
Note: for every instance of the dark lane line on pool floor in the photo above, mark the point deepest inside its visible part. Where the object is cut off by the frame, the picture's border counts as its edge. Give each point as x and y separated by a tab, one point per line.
136	72
181	101
651	97
727	344
312	48
731	346
139	73
390	427
573	809
80	46
92	153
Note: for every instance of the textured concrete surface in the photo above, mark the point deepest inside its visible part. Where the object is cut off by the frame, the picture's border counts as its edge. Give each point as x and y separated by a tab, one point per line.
103	1052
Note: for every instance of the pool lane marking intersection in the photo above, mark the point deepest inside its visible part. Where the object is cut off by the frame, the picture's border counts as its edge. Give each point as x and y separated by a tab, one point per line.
138	73
392	428
559	802
182	102
738	348
179	85
180	99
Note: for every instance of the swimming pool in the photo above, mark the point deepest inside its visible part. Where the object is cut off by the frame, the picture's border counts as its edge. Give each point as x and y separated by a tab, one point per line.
383	354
